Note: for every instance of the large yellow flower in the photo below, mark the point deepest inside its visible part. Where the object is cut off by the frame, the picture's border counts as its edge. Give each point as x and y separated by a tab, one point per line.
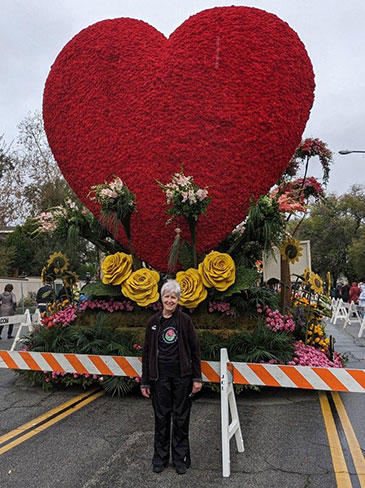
192	289
218	270
306	275
316	283
290	250
141	286
116	268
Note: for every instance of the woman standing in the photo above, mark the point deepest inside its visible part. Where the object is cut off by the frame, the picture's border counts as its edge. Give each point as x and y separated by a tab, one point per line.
171	374
7	307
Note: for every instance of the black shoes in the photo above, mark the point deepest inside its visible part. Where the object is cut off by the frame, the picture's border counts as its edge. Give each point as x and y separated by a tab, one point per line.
181	469
10	337
158	468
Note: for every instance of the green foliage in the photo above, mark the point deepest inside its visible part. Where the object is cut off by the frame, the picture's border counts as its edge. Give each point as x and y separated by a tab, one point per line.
99	338
7	256
356	253
30	249
261	345
186	255
264	224
99	289
245	278
246	303
262	229
210	345
117	385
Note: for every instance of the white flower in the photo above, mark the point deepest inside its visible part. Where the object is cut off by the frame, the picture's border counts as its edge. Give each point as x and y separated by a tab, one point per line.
192	196
117	184
169	195
107	193
202	194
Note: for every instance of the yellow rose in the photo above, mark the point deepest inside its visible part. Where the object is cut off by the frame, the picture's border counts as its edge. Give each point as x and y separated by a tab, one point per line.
192	289
116	268
141	286
218	271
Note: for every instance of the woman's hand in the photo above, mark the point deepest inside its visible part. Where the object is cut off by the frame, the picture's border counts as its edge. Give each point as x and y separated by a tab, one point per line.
197	386
146	392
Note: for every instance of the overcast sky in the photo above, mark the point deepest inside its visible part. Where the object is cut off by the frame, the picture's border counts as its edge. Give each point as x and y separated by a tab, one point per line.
33	32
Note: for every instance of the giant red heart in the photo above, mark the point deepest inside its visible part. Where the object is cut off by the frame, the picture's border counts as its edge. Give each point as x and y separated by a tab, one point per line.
228	95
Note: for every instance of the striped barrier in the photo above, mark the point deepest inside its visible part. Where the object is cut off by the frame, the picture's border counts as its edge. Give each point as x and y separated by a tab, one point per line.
305	377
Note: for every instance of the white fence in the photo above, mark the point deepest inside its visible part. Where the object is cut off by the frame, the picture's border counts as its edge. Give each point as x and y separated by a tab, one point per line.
349	313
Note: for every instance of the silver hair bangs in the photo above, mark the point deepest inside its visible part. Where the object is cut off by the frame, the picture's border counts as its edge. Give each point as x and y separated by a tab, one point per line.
171	286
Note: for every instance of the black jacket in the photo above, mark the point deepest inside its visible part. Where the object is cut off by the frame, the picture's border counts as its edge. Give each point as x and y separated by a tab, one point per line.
188	344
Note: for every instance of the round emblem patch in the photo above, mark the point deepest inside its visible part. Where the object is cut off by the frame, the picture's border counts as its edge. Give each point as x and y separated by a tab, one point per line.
170	335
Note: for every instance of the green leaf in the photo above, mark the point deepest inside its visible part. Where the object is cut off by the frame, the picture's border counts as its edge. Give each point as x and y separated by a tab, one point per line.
98	289
186	255
245	278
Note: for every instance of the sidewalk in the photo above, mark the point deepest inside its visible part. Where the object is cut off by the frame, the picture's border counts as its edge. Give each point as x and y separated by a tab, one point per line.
348	343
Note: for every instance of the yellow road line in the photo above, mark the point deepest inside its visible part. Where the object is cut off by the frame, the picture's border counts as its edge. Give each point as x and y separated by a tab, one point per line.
43	417
356	452
338	460
54	420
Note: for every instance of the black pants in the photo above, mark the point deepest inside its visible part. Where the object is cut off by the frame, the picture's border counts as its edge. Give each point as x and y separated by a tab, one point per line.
10	329
170	398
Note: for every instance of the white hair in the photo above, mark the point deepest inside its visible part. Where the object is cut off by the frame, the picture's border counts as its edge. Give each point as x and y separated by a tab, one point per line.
171	286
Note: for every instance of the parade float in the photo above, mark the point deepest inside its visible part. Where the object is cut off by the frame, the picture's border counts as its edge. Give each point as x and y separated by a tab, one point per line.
184	154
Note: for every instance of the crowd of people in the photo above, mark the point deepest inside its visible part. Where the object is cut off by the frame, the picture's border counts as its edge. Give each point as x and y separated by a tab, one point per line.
354	293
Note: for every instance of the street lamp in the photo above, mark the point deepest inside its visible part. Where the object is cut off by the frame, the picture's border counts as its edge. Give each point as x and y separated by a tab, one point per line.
346	151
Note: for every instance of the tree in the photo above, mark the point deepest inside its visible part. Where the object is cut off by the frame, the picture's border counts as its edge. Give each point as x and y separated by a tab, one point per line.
5	159
336	229
31	180
31	250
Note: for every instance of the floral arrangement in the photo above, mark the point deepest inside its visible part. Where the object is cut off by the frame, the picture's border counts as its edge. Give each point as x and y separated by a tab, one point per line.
197	132
62	317
217	271
114	198
221	283
117	204
306	355
106	305
276	321
186	198
59	218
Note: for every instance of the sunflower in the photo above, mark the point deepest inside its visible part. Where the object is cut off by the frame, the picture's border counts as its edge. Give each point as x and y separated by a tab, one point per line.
47	275
44	274
59	261
70	278
316	283
306	275
290	250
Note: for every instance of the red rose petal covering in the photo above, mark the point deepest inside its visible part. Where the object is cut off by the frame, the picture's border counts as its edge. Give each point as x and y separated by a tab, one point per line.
228	95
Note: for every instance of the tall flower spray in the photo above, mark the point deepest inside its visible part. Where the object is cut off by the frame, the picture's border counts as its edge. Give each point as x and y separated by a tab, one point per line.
185	198
118	203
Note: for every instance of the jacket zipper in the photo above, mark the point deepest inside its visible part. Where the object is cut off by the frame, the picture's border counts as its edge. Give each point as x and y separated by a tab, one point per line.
157	350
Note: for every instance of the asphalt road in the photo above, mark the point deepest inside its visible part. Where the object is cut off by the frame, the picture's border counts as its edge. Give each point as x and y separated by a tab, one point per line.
108	443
